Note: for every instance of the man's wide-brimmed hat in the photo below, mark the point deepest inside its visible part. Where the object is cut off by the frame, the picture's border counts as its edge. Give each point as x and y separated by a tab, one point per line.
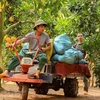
39	22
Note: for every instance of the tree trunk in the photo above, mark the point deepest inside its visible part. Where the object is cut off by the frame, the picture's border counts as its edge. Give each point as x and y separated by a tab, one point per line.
1	32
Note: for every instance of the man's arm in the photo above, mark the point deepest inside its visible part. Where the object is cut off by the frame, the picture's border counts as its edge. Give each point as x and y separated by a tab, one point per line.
19	41
48	47
86	56
16	43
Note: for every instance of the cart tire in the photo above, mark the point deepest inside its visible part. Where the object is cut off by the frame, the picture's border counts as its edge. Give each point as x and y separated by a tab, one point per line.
24	92
43	91
71	87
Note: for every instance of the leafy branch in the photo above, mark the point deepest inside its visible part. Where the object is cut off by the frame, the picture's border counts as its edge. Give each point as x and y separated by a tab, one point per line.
16	24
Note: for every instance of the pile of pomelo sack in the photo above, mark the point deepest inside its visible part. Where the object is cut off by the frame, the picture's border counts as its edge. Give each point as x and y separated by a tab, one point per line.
63	51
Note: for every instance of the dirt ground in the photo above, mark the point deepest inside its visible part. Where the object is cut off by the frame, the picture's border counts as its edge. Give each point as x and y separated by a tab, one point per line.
11	92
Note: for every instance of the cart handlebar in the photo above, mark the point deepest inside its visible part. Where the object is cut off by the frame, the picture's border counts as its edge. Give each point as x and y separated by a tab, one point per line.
31	37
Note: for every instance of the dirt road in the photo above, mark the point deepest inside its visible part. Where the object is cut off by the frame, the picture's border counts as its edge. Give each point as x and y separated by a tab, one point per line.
11	93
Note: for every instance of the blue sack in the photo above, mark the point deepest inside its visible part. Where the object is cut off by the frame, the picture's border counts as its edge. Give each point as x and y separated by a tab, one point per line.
78	55
24	49
83	61
70	56
62	43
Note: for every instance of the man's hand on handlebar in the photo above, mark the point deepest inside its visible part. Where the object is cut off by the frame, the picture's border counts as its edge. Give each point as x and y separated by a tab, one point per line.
43	49
10	46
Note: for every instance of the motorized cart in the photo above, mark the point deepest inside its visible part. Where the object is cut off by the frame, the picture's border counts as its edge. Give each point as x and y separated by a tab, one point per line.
54	76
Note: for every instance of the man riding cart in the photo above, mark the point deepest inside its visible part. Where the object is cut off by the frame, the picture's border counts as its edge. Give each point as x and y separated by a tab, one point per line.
44	44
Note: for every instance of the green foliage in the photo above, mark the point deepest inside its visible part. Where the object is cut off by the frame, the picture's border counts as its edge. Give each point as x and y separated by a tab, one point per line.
92	45
6	55
96	70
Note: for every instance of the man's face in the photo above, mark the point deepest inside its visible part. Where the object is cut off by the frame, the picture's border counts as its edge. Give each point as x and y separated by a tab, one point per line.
40	28
80	37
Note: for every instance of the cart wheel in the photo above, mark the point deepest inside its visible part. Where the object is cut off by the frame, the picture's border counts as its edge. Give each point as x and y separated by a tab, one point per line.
24	92
41	91
71	87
